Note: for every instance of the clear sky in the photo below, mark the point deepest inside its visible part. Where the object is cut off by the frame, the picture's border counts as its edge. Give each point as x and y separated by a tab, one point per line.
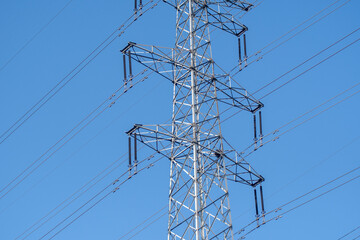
300	160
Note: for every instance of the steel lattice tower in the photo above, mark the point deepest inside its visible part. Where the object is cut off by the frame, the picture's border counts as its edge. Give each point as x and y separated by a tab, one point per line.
201	161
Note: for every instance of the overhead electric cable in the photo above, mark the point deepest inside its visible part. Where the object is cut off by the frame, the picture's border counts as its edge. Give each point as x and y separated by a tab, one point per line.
296	77
70	199
347	234
356	237
66	141
142	229
145	221
277	130
98	201
291	37
74	72
305	121
146	159
34	36
307	60
281	76
322	61
85	184
296	27
308	170
129	107
317	164
318	20
302	196
312	199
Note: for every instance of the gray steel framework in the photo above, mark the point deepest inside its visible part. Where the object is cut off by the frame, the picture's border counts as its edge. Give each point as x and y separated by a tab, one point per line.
201	160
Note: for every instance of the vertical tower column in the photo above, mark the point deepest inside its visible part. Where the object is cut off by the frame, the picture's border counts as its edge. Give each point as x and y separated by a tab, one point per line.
195	117
198	199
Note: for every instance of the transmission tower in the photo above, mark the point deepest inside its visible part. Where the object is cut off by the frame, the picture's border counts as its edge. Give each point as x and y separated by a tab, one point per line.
201	160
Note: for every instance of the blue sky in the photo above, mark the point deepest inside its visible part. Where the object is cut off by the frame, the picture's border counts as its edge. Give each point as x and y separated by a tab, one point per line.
297	162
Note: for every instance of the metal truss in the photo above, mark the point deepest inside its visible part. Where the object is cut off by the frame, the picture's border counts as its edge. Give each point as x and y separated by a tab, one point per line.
161	60
233	4
161	139
218	13
201	161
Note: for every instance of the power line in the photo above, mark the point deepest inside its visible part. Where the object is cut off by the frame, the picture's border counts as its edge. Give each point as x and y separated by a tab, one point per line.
146	220
319	163
307	60
91	180
70	197
34	36
347	234
79	124
38	105
89	140
291	37
100	200
301	196
296	27
297	206
277	130
308	170
72	74
322	61
356	237
112	102
142	229
318	20
306	120
289	71
296	77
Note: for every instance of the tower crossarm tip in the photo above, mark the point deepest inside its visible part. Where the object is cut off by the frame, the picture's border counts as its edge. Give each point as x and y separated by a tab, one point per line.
158	59
237	96
225	21
128	46
242	172
159	138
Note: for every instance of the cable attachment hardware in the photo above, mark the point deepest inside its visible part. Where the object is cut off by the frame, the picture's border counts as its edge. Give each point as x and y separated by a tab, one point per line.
130	161
260	128
255	132
262	204
135	154
258	137
256	207
138	7
245	51
127	78
257	215
242	58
